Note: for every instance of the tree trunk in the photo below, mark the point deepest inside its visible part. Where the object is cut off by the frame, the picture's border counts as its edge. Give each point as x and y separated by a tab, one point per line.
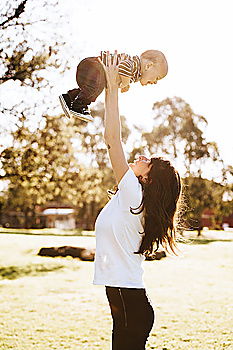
199	231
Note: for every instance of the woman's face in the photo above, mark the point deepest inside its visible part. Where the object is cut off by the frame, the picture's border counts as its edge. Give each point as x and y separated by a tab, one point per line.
141	166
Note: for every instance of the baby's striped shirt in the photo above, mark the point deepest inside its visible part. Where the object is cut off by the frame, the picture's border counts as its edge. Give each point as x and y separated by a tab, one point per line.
127	66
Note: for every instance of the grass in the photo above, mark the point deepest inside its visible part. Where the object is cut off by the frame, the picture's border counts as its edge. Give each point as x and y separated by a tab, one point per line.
50	303
13	272
46	231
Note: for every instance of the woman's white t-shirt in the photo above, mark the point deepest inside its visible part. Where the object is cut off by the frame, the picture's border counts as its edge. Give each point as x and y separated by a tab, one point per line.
118	236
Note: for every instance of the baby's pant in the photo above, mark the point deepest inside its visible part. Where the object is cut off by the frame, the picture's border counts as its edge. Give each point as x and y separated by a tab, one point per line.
133	317
91	80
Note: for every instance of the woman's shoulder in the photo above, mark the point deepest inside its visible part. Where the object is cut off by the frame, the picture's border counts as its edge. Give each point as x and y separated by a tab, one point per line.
130	190
128	179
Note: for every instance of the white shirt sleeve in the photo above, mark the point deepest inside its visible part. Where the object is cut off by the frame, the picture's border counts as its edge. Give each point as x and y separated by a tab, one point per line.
130	191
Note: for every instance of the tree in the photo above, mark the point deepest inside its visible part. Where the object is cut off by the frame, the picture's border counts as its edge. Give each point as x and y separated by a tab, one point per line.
25	52
178	133
199	196
30	54
49	166
204	194
40	167
90	136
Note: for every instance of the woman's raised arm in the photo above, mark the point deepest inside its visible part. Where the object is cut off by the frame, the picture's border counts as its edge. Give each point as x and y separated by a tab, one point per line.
112	123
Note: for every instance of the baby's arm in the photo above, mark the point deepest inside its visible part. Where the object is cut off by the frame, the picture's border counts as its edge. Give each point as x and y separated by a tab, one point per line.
126	88
124	83
125	69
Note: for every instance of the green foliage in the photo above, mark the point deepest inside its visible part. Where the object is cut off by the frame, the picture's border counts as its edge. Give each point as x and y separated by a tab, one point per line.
18	68
41	167
91	137
66	161
201	194
30	54
24	53
177	132
48	165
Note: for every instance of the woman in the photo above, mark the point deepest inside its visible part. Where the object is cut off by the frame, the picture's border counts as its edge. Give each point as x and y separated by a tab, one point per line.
139	216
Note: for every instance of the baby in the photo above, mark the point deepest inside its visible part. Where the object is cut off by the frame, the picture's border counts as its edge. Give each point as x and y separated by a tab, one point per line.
147	68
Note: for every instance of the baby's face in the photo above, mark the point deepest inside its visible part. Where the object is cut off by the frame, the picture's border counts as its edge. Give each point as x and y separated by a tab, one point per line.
152	74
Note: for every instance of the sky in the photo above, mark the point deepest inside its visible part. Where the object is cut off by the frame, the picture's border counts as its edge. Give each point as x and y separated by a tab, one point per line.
195	36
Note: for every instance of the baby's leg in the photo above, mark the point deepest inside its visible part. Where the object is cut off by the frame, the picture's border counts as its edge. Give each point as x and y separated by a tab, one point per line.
91	80
73	93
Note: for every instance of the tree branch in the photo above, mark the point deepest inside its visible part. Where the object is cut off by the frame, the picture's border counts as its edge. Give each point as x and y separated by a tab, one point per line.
17	12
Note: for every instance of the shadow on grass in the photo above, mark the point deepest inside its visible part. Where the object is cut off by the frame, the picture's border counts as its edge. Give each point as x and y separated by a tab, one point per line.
13	272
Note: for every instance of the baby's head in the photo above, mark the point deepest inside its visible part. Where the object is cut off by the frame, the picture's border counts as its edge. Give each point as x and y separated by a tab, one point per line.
153	67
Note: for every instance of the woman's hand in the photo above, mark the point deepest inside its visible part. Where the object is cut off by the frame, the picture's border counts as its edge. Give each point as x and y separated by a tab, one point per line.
111	72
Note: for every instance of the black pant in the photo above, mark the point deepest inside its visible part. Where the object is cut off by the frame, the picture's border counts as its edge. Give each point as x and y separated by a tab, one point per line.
90	77
133	317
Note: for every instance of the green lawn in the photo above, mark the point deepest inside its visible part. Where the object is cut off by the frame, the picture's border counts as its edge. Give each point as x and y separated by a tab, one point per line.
50	303
47	231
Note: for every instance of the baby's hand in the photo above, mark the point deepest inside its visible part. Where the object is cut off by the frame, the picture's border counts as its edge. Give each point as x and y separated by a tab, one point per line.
125	88
111	71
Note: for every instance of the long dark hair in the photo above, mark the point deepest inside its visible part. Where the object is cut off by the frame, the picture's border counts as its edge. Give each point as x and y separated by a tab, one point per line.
159	205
